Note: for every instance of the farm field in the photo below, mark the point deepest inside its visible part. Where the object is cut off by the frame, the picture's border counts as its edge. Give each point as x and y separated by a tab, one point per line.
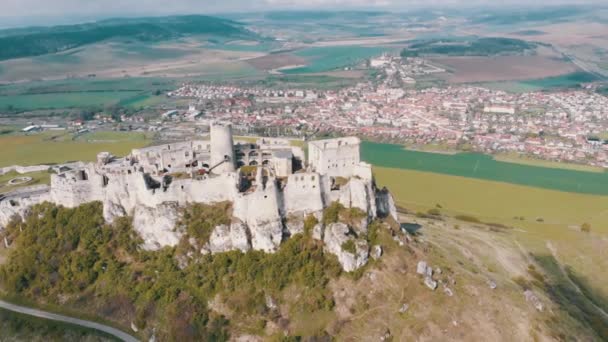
49	148
63	100
132	92
570	80
517	159
501	68
137	59
480	166
321	59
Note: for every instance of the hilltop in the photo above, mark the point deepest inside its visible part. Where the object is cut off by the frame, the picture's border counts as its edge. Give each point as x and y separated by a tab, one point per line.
36	41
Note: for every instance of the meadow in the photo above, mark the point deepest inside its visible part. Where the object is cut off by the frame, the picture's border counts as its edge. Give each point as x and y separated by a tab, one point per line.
480	166
54	147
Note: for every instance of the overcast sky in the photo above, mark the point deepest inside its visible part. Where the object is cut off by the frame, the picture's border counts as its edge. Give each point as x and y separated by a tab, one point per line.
15	11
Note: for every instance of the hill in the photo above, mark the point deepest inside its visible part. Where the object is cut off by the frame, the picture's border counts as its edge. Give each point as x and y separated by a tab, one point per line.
18	43
468	47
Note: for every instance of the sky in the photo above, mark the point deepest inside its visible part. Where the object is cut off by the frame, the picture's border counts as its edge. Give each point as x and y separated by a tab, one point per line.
31	8
16	12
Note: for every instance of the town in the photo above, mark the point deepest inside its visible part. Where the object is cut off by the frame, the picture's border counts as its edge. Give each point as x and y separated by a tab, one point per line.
567	125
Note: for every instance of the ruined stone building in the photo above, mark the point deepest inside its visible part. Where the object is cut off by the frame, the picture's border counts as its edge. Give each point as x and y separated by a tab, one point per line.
269	184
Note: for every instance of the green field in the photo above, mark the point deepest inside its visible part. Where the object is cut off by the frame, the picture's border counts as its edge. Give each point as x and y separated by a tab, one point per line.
517	159
64	100
330	58
79	93
53	147
479	166
564	81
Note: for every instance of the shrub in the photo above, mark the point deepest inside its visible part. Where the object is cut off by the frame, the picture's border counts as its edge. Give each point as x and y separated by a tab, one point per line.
586	227
467	218
331	214
434	212
200	219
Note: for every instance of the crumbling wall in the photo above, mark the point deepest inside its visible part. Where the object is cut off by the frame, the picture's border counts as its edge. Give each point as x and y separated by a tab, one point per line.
302	194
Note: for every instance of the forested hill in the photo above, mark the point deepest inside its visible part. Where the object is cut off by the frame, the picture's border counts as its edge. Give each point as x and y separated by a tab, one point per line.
17	43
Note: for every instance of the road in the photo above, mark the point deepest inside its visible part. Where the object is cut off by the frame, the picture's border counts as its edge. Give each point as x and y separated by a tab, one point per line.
65	319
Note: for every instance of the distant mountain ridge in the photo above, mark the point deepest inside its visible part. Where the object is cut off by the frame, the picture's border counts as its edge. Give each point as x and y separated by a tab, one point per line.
35	41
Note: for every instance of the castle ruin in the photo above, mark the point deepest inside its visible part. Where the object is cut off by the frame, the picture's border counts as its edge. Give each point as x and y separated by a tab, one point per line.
269	183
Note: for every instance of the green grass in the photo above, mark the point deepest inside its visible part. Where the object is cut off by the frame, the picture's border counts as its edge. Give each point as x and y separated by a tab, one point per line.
49	147
494	201
38	178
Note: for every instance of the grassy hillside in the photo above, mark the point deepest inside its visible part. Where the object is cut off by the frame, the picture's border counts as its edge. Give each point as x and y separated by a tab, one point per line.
40	41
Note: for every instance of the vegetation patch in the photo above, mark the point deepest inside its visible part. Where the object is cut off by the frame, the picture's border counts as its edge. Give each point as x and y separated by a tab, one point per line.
69	257
349	246
200	219
19	327
469	47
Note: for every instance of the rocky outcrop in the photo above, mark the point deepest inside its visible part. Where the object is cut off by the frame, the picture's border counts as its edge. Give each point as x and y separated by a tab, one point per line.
294	225
336	237
157	225
226	238
266	236
385	204
112	210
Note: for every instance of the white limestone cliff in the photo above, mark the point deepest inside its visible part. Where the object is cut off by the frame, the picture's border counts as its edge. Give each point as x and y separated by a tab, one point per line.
156	225
225	238
336	235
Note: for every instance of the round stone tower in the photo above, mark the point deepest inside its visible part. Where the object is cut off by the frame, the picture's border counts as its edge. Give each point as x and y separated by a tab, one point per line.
222	148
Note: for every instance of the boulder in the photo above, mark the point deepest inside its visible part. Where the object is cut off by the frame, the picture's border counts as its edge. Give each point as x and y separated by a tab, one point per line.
385	204
430	283
157	225
336	234
421	268
294	225
376	252
533	299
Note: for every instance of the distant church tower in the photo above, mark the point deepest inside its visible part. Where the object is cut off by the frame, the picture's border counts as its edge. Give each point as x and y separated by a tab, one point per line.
222	148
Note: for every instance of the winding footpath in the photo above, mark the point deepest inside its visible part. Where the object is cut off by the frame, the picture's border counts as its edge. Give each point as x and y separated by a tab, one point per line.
65	319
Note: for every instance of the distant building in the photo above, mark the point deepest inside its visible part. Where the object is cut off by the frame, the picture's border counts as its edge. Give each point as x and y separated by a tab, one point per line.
499	109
